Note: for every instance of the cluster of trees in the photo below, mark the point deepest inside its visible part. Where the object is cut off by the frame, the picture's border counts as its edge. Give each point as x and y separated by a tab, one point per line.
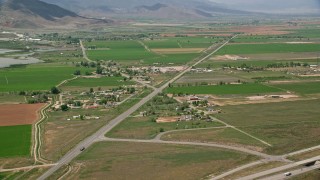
88	64
243	66
291	64
200	103
112	98
35	97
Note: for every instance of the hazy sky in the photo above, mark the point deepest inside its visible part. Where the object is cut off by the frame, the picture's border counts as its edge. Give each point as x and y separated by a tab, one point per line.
278	6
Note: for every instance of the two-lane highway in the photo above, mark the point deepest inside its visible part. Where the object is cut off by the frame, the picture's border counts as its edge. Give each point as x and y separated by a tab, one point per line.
105	129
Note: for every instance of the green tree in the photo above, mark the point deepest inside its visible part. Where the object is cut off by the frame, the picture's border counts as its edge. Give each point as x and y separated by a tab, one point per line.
99	70
77	73
55	90
64	107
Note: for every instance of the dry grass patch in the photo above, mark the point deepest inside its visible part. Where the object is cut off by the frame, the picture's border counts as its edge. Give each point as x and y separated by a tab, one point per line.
155	161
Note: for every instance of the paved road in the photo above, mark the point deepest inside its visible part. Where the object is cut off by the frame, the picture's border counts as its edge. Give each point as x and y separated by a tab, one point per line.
296	172
236	170
101	132
278	169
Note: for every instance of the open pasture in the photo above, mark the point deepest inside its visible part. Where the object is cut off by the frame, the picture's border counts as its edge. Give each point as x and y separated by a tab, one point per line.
181	42
223	136
117	50
232	89
287	126
238	49
19	114
15	141
268	39
171	59
6	98
178	50
120	54
144	128
113	45
301	88
155	161
35	77
312	32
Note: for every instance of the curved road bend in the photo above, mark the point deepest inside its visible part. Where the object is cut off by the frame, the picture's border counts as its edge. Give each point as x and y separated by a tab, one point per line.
73	153
239	149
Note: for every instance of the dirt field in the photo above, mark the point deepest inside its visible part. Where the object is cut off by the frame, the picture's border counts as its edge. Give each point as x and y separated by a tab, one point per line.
19	114
262	30
178	50
167	119
229	57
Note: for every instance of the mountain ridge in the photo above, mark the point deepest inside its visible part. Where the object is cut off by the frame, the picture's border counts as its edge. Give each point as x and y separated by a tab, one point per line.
38	14
178	9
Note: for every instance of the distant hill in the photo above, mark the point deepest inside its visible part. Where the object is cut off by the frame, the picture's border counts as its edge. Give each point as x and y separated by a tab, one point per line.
159	9
35	13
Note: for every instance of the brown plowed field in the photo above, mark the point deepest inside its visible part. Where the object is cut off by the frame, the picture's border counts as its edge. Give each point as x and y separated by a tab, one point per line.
19	114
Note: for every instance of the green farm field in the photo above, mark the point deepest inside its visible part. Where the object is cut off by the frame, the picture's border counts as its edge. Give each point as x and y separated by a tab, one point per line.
181	42
120	54
175	59
35	77
15	141
118	50
252	88
287	126
155	161
238	49
98	82
307	32
268	39
301	88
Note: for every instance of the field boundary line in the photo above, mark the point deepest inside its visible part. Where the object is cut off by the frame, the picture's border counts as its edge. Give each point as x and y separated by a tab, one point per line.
66	81
243	132
6	79
302	151
27	167
235	128
145	46
84	54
